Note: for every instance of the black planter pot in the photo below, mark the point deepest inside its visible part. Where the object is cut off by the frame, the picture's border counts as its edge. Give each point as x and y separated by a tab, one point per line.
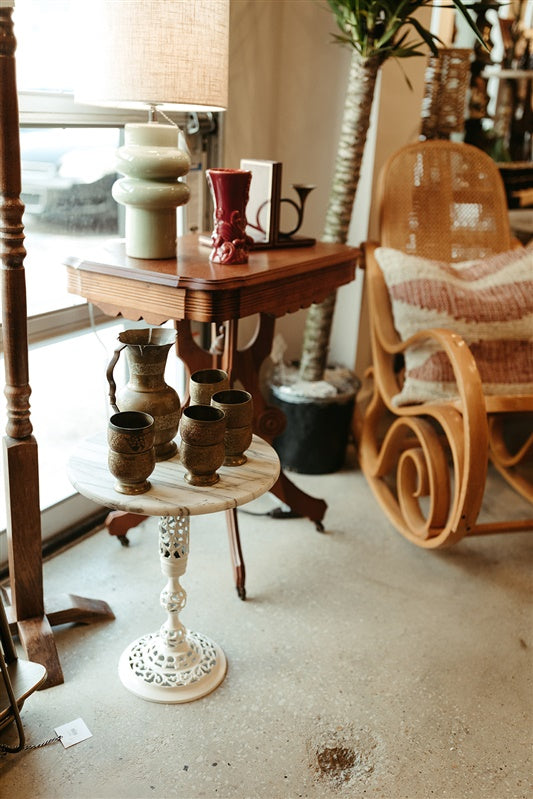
315	438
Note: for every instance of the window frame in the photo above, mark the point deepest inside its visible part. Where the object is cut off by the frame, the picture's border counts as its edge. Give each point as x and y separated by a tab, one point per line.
43	108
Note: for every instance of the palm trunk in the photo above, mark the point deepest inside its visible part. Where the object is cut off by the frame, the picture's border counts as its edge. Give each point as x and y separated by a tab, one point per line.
355	123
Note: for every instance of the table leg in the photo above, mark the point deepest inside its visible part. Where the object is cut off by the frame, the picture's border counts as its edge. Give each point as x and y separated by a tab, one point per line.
174	664
235	549
269	422
118	522
245	365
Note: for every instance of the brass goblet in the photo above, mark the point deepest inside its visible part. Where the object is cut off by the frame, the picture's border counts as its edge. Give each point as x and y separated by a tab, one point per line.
238	407
131	457
206	382
202	443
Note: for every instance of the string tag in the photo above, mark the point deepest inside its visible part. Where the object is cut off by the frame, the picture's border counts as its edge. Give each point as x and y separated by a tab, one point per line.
73	733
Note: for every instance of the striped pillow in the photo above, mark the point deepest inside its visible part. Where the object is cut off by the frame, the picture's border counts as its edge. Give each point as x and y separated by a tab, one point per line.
489	302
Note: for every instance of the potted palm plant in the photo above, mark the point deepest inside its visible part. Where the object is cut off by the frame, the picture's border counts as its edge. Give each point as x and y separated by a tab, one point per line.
375	30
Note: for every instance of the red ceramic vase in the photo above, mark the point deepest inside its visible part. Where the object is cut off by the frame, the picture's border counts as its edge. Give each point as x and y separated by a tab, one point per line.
230	189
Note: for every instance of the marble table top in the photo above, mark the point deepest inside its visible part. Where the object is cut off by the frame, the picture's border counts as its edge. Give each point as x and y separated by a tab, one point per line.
171	494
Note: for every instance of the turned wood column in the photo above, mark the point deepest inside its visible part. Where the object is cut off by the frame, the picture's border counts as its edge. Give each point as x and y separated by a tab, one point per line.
29	615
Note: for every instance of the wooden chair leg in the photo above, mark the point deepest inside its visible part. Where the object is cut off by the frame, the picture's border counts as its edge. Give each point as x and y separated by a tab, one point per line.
236	552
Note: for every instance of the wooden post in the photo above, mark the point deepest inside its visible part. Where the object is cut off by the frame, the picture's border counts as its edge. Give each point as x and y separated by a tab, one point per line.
20	448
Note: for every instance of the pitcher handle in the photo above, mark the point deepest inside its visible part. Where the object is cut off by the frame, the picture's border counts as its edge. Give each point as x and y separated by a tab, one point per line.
110	380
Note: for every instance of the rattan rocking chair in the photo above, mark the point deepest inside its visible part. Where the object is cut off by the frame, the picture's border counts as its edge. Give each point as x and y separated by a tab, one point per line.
427	462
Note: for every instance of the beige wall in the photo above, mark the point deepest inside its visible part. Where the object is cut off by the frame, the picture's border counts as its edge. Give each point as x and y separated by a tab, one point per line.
251	119
286	93
287	81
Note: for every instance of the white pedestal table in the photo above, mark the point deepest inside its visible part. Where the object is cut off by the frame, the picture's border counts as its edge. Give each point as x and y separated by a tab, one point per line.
173	664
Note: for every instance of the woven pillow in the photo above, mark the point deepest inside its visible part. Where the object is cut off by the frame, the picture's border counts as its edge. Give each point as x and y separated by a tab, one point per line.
489	302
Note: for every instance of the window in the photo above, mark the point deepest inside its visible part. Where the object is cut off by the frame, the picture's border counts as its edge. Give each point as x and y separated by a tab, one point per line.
67	175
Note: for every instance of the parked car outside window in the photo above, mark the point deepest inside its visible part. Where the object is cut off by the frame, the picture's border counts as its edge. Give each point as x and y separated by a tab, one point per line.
67	175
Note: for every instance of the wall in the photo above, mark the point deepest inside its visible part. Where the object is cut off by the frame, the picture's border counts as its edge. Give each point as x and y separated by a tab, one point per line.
284	94
254	76
287	81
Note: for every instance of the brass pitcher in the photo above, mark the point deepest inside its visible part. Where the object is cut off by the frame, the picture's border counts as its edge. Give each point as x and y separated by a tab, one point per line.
146	390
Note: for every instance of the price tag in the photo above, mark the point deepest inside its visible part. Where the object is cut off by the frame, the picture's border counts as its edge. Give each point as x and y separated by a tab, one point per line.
73	733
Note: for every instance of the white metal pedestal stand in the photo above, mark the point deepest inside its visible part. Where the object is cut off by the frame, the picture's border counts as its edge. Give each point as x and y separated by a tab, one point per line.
173	665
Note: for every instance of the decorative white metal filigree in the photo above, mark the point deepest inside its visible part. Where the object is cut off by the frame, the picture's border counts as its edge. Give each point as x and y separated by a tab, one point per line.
174	537
174	552
151	661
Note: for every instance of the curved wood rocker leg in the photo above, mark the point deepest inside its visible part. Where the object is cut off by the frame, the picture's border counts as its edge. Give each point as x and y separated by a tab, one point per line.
411	464
508	463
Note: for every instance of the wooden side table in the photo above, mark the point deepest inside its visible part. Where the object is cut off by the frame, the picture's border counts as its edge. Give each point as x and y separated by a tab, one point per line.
173	664
191	288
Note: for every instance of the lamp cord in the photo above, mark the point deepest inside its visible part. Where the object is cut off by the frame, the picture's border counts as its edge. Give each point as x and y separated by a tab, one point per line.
182	141
167	118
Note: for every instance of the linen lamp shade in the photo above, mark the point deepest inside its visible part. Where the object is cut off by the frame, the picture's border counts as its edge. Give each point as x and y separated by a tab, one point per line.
170	53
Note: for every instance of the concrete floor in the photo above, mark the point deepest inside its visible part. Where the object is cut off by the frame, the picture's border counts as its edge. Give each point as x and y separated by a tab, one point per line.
359	666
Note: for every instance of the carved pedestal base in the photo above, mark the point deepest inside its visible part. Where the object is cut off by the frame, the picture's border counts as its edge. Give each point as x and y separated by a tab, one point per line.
150	670
173	665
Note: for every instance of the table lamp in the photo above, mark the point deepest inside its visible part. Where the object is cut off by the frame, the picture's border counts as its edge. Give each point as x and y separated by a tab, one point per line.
159	55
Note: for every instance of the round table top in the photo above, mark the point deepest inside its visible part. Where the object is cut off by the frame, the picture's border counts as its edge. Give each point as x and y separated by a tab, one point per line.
170	494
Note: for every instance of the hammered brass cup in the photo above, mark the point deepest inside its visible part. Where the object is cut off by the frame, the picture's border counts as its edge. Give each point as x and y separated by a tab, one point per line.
202	443
206	382
239	410
131	457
